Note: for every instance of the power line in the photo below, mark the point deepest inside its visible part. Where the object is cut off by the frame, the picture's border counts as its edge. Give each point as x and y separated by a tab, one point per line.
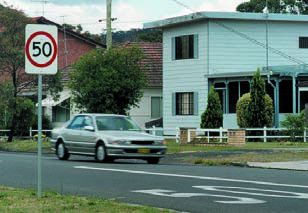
43	3
245	36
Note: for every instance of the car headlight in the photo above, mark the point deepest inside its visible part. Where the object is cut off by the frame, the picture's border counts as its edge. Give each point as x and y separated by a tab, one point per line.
121	142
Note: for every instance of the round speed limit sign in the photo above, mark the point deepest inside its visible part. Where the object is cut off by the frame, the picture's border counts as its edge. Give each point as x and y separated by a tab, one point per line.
41	49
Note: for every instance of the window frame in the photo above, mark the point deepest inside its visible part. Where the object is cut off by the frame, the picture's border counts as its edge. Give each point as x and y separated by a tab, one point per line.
184	108
303	42
188	42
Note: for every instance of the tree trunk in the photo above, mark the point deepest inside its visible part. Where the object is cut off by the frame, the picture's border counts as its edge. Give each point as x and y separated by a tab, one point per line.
13	126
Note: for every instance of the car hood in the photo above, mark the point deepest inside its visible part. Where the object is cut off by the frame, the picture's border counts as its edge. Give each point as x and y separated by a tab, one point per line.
129	135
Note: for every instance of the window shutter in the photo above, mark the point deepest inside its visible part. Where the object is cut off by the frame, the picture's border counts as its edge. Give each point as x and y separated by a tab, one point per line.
173	104
196	103
196	45
173	48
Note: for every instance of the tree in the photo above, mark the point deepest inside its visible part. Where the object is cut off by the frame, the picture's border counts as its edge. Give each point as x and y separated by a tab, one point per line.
12	43
6	101
242	110
108	81
274	6
256	113
154	36
212	117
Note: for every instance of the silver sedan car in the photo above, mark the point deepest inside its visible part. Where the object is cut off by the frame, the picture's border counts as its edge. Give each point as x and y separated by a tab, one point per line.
106	137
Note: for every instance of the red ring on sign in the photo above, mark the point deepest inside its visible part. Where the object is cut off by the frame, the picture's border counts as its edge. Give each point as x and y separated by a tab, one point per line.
54	44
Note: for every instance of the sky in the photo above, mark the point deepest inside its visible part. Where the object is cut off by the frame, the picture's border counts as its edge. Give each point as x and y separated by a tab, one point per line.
129	13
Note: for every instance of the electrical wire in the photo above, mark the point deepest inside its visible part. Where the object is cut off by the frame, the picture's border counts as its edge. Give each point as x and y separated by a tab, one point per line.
247	37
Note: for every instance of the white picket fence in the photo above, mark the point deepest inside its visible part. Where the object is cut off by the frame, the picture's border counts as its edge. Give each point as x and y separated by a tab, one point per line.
205	133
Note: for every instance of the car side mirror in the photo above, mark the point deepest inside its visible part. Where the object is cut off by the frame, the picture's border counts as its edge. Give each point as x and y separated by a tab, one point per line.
89	128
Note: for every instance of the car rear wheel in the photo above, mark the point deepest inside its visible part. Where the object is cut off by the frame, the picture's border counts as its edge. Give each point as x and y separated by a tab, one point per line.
62	152
153	160
100	154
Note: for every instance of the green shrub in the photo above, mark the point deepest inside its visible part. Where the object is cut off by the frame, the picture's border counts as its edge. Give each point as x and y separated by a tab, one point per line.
212	117
242	108
24	116
46	124
256	113
295	124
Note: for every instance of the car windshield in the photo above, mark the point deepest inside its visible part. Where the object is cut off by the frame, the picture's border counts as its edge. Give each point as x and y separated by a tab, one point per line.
109	123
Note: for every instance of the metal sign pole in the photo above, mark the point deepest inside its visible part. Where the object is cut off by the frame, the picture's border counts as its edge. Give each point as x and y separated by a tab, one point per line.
39	141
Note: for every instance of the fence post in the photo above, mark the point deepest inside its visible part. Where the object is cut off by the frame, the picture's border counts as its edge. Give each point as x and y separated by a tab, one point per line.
220	134
208	136
153	131
188	135
30	133
177	129
305	135
264	134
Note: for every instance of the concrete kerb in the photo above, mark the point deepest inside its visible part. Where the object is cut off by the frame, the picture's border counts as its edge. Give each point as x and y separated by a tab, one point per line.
291	165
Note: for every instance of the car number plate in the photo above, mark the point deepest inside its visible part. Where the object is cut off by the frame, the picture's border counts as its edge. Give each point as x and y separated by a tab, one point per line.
143	150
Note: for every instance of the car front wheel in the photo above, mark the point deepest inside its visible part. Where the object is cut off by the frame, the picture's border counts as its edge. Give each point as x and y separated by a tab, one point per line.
62	152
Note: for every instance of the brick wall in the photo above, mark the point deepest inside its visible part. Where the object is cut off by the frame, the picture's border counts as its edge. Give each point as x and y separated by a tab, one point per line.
75	48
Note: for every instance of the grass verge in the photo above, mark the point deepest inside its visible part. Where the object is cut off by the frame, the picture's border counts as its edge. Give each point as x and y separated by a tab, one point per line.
243	158
25	146
25	201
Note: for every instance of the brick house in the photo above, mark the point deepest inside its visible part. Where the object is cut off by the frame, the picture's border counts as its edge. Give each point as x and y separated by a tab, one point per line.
71	45
150	106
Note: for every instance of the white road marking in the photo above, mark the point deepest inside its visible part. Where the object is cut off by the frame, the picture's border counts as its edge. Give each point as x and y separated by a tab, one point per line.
284	194
168	193
192	176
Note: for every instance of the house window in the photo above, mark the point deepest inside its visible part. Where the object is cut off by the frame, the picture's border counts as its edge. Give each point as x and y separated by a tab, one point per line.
61	112
156	107
185	103
303	42
185	47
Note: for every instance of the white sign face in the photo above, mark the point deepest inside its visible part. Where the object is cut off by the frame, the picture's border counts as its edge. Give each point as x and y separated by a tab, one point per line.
41	49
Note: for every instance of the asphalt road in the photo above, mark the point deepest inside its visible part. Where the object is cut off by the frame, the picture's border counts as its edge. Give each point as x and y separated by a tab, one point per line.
181	187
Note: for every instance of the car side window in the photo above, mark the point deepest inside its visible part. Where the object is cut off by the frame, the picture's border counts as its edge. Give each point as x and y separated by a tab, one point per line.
87	121
77	123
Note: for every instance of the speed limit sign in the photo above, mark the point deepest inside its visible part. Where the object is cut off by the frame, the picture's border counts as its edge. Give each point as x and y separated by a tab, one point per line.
41	49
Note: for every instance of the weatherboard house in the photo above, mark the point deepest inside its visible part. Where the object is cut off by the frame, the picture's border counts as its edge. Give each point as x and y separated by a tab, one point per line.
224	49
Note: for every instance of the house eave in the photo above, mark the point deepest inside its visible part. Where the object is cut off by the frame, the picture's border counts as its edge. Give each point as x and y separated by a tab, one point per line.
199	16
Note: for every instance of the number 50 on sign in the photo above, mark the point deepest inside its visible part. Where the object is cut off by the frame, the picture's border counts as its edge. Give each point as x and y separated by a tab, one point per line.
41	49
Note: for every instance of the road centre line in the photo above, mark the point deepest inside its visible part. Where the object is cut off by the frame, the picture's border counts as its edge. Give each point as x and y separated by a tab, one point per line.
190	176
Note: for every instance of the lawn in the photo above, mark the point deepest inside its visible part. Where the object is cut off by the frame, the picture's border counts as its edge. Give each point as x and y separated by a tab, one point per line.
26	201
25	146
251	155
243	158
173	147
250	152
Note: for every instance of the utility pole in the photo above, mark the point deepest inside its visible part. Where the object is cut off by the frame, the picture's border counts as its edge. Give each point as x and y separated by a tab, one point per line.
266	15
108	23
